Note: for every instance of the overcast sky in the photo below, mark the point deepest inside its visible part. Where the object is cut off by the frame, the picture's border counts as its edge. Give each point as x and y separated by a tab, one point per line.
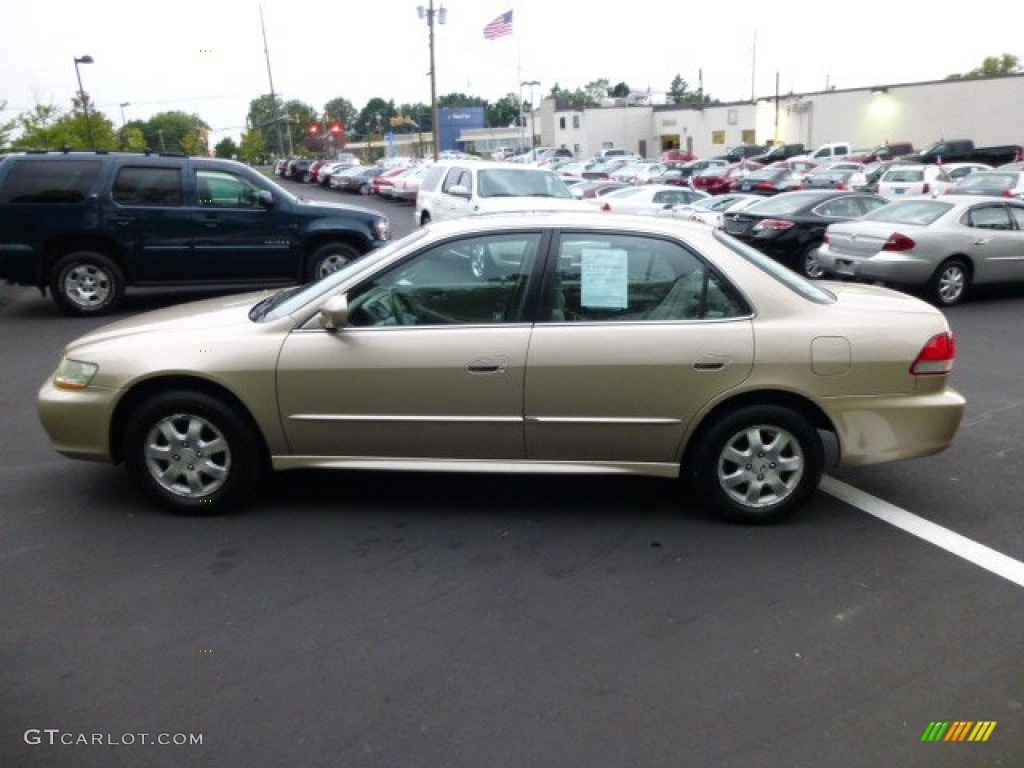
208	57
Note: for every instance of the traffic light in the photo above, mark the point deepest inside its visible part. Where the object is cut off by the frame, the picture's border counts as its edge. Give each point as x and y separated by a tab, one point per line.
336	128
314	129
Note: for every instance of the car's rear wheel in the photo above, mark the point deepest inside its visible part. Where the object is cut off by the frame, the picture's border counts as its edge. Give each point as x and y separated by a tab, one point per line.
365	189
758	464
329	258
949	284
86	283
191	452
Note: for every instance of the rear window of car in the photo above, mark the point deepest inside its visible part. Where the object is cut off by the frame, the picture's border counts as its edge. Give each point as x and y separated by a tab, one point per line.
49	181
509	182
149	186
788	203
904	174
910	212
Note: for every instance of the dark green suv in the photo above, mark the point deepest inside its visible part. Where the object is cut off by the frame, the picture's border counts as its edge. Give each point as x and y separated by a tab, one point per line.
87	225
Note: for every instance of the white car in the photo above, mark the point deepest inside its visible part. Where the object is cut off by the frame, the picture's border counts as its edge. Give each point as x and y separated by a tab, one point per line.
711	210
647	199
451	190
914	179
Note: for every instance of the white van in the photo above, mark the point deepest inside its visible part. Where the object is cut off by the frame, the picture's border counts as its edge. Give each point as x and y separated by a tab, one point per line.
453	189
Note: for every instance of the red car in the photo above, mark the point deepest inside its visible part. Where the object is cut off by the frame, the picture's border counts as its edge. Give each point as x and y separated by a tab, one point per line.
385	182
719	180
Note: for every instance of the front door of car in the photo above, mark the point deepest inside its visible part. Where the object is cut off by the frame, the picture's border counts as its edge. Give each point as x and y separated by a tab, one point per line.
642	336
430	366
236	236
455	199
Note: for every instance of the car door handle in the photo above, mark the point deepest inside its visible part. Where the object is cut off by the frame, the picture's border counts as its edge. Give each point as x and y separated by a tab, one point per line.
488	365
710	363
122	220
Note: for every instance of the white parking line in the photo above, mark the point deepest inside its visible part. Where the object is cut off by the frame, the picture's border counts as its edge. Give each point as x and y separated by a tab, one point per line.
961	546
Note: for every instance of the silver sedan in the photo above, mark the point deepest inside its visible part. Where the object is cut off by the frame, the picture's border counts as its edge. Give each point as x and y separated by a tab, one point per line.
942	245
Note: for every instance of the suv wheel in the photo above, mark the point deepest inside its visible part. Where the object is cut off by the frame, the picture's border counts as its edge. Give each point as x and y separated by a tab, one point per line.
191	452
329	258
86	283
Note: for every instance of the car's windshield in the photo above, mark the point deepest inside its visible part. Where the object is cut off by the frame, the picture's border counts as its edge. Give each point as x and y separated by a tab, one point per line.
506	182
904	174
909	212
291	300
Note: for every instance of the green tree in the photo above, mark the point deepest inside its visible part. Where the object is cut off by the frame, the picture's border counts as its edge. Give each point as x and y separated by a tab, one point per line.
134	138
677	91
597	90
374	118
267	114
226	147
253	148
619	91
37	130
505	111
176	131
996	66
341	111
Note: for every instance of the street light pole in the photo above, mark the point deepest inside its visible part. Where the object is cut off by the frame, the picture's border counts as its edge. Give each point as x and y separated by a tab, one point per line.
533	110
428	14
123	105
81	95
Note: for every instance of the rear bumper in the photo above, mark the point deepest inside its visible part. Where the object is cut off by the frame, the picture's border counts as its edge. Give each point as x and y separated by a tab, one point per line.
898	268
875	430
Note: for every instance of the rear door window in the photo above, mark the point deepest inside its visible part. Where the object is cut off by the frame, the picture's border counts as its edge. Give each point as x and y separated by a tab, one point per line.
141	185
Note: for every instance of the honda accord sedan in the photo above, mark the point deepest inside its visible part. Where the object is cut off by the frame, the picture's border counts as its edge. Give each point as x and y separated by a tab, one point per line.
542	342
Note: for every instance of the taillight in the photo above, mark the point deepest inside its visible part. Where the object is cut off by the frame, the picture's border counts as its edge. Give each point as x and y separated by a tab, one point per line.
898	242
773	224
936	356
765	185
926	188
606	207
1007	193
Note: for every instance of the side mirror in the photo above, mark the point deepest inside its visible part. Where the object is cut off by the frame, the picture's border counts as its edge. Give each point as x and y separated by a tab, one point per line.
334	313
459	191
266	199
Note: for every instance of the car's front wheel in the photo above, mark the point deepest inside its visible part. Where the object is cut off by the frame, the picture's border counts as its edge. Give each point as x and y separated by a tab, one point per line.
810	266
329	258
758	464
86	283
191	452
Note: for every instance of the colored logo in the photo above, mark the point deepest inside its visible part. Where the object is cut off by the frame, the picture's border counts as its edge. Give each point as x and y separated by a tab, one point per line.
959	730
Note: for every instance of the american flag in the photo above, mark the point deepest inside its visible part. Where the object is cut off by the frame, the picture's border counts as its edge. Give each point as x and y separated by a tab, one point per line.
499	27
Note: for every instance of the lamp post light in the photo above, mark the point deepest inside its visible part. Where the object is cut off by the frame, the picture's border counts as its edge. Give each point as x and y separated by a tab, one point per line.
533	110
81	95
123	105
441	14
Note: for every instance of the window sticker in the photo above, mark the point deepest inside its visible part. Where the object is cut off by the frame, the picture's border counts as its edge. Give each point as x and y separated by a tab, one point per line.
604	276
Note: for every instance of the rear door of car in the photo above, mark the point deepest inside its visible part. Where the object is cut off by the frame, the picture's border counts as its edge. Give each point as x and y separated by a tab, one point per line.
641	334
998	247
149	215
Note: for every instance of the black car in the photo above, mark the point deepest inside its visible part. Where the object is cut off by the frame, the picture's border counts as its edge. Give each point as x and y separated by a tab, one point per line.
358	179
86	225
790	227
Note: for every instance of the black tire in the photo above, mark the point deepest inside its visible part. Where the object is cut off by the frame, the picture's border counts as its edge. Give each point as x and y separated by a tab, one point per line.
329	258
948	286
365	189
758	464
192	453
86	283
809	265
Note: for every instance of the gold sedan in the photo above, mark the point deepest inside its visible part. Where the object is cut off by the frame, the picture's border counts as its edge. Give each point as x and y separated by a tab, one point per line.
541	342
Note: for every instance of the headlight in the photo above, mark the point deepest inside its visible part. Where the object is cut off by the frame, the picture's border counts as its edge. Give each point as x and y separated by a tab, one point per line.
74	374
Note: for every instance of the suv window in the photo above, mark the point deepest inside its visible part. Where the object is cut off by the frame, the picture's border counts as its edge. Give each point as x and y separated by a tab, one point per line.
140	185
42	181
225	190
506	182
625	277
458	177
